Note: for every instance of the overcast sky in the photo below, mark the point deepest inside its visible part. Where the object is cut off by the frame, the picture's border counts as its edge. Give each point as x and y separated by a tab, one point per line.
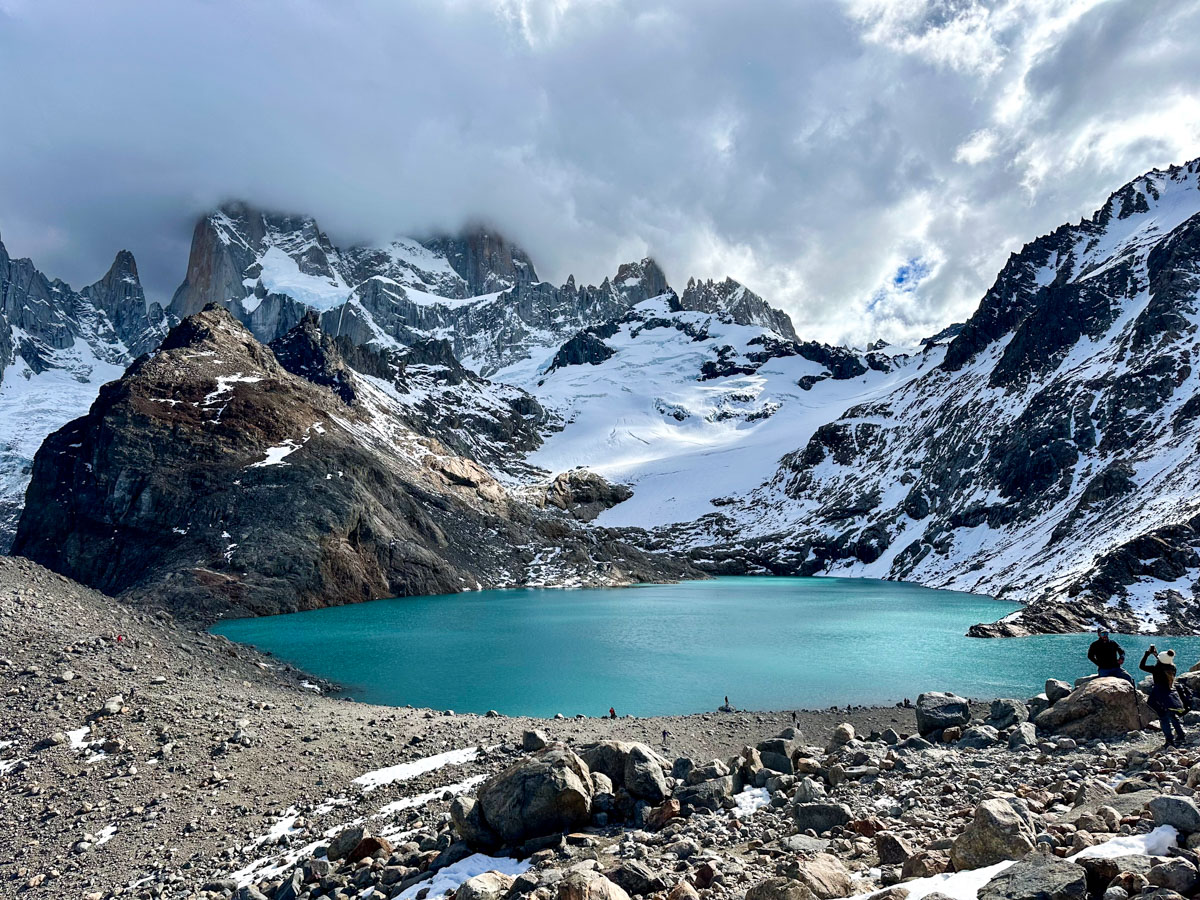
867	165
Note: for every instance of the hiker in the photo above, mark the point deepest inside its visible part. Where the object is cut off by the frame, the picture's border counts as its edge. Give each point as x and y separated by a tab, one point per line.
793	718
1108	657
1163	698
666	734
612	712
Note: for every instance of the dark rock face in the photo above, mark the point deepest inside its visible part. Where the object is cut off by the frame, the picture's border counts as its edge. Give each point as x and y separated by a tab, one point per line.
217	480
582	349
486	261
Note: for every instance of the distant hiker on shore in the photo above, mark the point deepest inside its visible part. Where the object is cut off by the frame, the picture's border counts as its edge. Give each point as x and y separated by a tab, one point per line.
666	734
612	712
1108	657
793	717
1163	698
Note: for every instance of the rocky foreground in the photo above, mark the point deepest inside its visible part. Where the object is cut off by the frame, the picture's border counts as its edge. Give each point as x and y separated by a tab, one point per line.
141	758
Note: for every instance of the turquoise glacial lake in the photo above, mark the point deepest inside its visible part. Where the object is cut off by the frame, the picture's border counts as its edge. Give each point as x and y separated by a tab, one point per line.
767	643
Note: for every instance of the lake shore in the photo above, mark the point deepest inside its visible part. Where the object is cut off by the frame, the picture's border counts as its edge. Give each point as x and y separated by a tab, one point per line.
143	757
211	733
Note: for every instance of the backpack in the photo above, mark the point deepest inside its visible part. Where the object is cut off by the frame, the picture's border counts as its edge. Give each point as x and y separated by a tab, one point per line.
1185	694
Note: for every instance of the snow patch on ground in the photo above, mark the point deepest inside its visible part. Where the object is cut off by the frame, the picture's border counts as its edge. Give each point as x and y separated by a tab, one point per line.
750	801
448	879
409	770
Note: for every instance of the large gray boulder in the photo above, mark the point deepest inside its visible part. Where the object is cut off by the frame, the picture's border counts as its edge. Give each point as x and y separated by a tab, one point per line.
541	794
937	710
1056	690
710	794
1024	735
998	832
1007	712
1179	812
1038	876
633	766
979	737
467	815
488	886
820	817
644	776
824	875
779	888
1101	708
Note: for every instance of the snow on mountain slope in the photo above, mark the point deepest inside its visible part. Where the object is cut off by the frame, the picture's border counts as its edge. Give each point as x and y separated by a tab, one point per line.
57	346
647	416
1048	455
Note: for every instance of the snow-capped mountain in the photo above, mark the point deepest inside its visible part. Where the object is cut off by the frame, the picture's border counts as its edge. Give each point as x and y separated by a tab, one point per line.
476	290
1045	449
57	346
221	475
1047	452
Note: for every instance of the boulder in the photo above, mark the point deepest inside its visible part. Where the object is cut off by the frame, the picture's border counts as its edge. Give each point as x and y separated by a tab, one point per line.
1006	712
824	875
780	889
979	737
683	890
1037	704
785	746
706	772
1056	690
658	817
1180	812
1038	876
608	757
1024	735
644	776
534	740
1101	708
892	849
368	847
708	795
925	863
548	792
1093	791
1176	874
635	877
345	841
937	710
777	762
467	816
842	735
820	817
488	886
998	832
750	764
584	885
1102	870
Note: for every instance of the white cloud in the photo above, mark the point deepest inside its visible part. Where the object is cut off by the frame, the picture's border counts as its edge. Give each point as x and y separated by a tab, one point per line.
809	150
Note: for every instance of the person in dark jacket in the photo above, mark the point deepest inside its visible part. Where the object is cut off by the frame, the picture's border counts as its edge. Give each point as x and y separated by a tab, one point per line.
1163	698
1108	657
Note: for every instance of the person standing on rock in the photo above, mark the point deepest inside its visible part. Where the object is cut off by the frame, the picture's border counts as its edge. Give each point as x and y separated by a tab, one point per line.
1109	658
1163	698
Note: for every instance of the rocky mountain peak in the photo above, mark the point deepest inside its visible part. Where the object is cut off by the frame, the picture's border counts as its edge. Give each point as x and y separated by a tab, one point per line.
736	301
646	274
1071	282
485	259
